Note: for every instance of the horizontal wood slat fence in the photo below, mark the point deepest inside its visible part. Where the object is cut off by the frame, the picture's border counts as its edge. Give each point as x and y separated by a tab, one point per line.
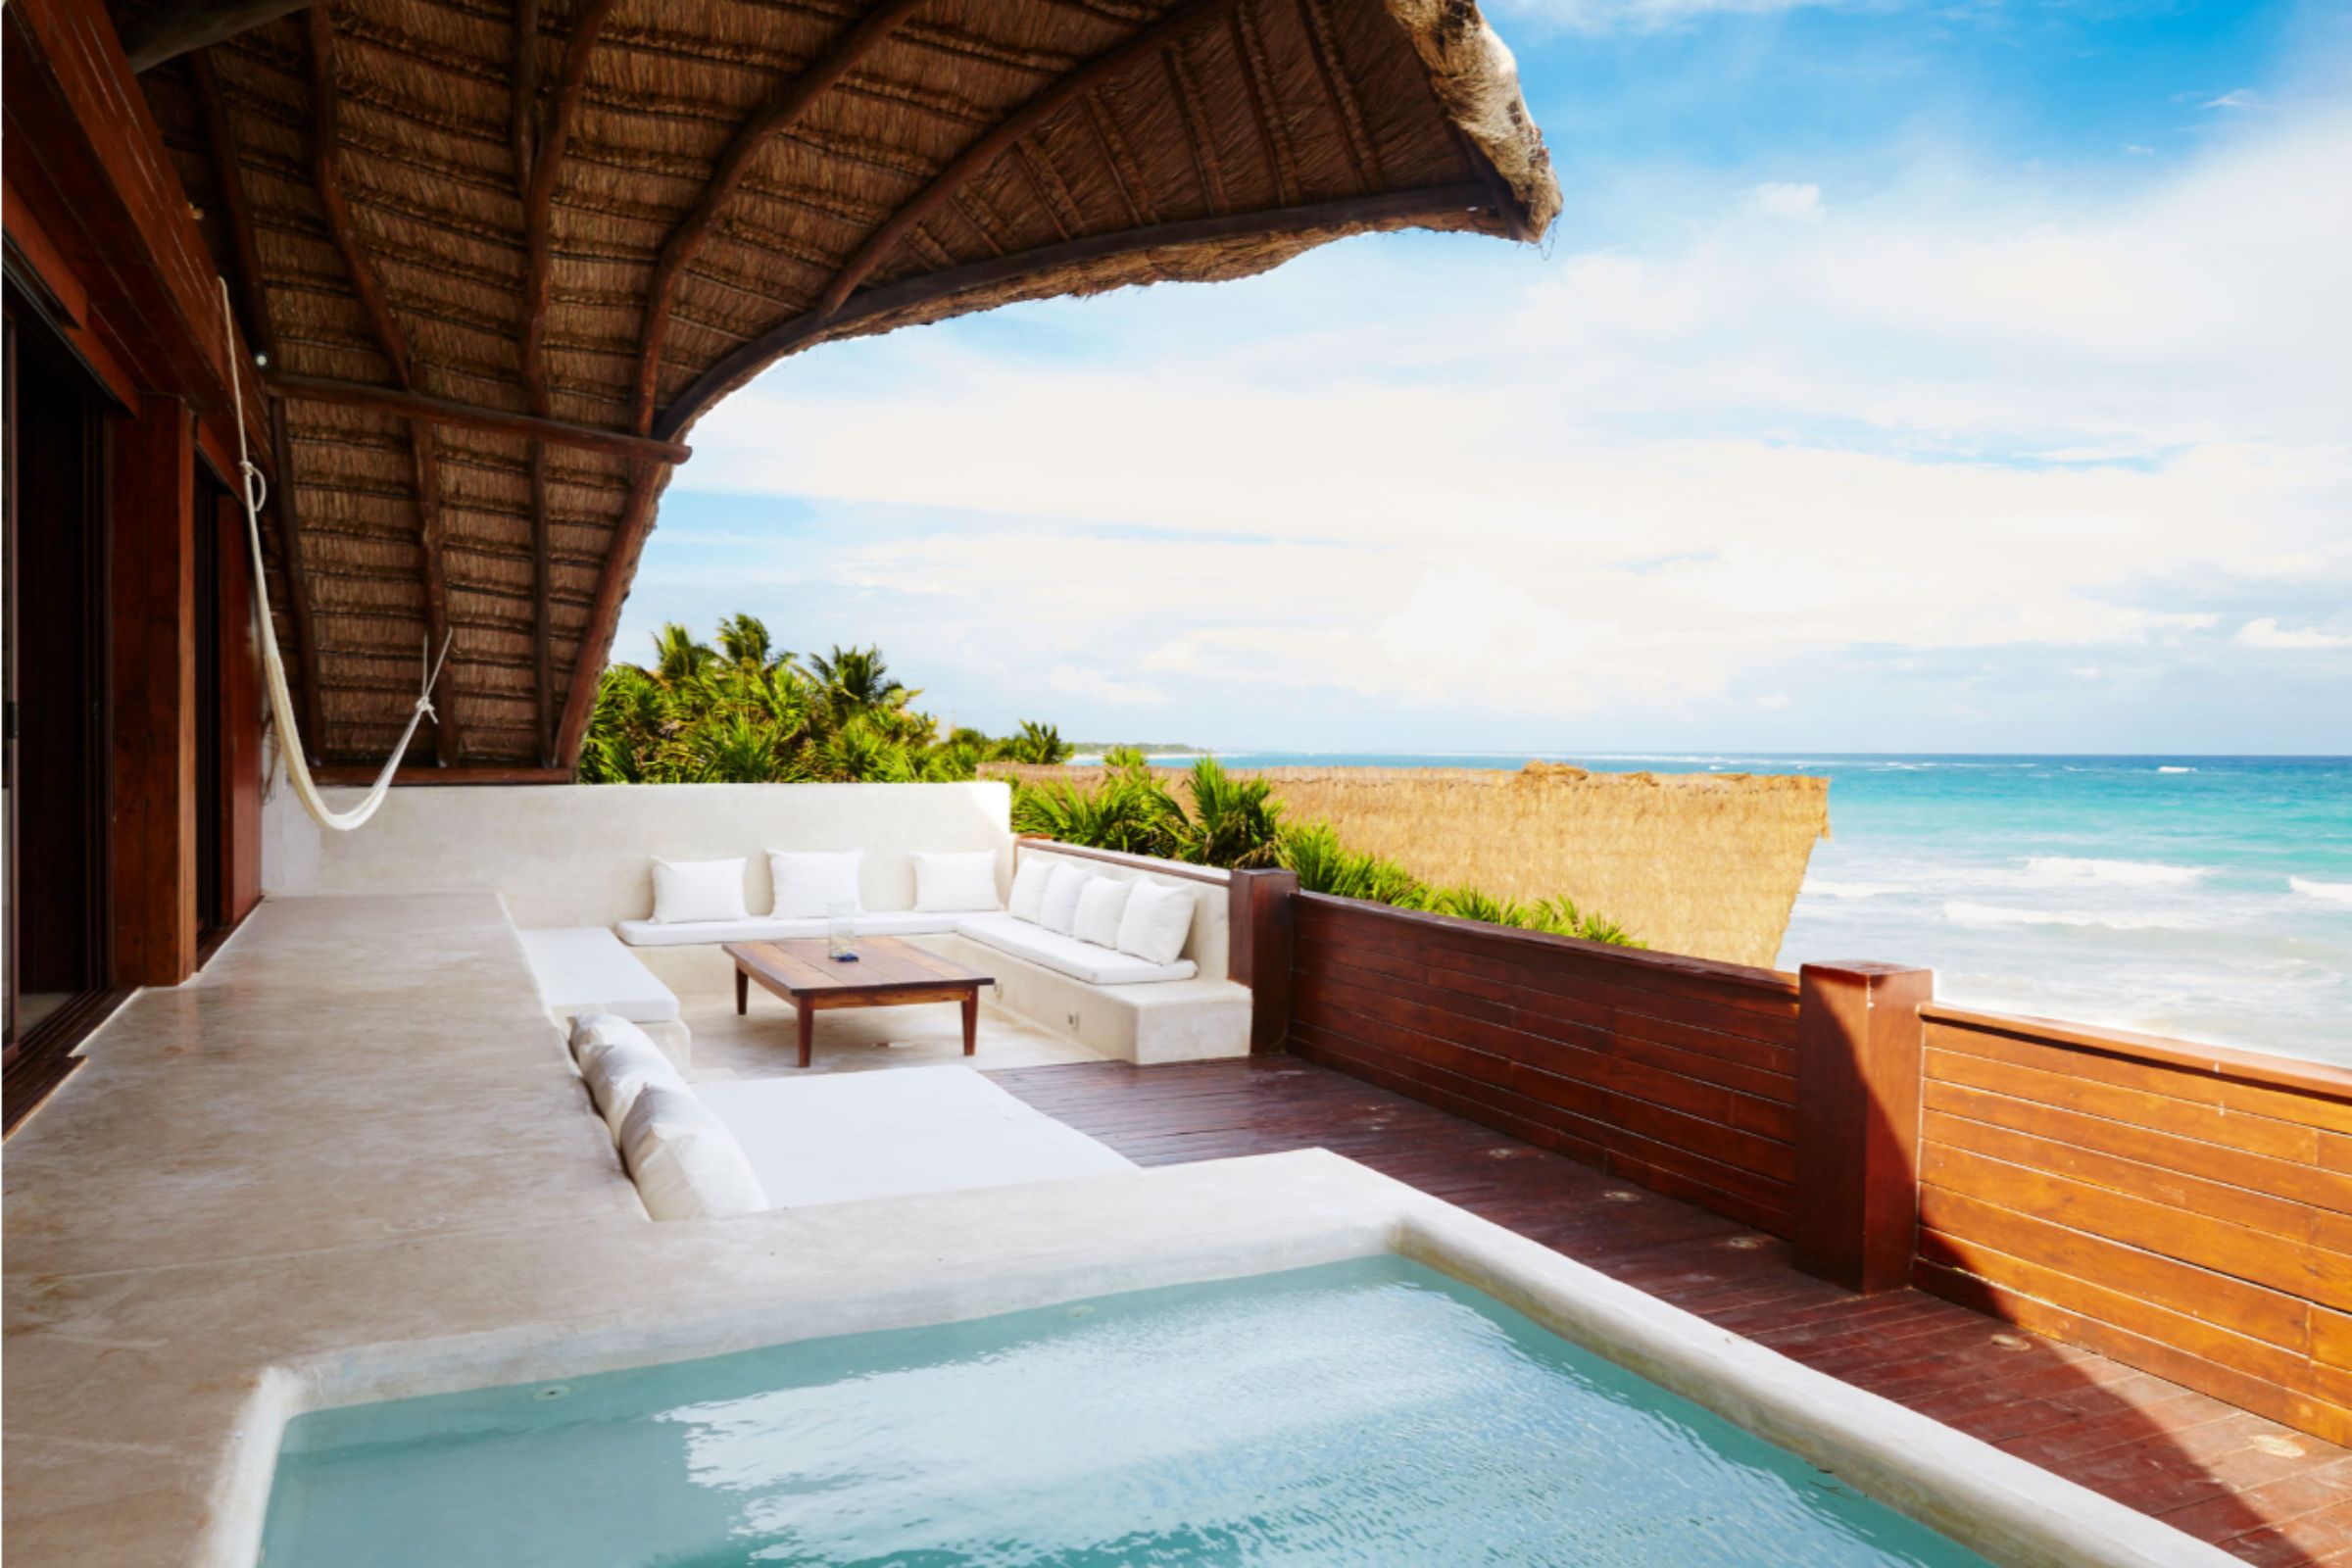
2184	1209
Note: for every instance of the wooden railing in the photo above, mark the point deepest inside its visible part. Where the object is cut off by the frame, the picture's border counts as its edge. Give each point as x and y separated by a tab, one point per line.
2187	1212
2179	1208
1673	1072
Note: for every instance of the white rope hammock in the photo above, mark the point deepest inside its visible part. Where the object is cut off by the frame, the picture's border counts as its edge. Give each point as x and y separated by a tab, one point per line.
281	702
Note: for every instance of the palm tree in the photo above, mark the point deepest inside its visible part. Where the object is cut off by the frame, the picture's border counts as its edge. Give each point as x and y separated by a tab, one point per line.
677	657
744	639
1038	743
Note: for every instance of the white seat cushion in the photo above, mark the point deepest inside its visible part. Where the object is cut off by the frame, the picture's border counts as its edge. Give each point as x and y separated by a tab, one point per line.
585	969
842	1136
956	884
808	884
698	890
685	1162
617	1074
1080	961
886	923
1157	920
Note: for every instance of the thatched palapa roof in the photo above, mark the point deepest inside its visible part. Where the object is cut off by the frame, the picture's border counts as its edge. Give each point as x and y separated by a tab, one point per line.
501	256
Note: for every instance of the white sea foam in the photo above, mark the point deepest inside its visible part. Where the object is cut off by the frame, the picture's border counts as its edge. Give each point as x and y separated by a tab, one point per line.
2058	870
1961	912
2311	887
1851	890
2175	771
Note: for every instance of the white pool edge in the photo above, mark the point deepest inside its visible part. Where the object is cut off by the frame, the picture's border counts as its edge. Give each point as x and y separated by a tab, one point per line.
918	1261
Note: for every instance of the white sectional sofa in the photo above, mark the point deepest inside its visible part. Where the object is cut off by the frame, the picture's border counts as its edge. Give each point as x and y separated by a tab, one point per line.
1143	1010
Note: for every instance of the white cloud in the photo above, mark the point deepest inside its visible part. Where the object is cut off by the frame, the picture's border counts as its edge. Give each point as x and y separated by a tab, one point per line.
2266	632
1948	418
2240	98
1776	199
1077	680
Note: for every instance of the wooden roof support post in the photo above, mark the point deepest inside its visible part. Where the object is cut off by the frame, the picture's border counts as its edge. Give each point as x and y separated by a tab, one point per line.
325	137
1859	1047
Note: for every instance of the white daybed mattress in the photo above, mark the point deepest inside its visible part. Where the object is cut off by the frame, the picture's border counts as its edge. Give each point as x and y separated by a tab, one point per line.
896	1131
586	969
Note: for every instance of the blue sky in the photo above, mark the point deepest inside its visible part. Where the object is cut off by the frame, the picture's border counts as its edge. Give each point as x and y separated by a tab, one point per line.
1898	378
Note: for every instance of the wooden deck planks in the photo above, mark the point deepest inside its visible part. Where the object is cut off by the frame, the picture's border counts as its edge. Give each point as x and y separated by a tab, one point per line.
2266	1493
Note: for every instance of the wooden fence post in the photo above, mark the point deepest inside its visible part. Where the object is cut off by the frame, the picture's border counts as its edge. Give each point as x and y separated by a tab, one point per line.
1858	1049
1259	955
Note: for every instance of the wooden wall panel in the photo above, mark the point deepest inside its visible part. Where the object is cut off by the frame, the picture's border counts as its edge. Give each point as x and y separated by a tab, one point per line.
1671	1072
241	704
2185	1210
154	598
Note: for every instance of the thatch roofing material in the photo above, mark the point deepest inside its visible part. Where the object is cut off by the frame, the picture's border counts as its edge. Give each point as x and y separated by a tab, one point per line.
612	212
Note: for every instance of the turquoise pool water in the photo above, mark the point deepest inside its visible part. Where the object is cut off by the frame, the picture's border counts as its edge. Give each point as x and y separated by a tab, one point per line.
1369	1413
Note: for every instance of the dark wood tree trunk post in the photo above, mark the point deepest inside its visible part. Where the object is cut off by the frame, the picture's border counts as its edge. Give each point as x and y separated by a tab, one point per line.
1258	955
1858	1067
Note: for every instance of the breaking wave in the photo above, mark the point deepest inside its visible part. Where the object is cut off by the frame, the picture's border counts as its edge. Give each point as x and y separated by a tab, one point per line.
2332	891
1962	913
2060	869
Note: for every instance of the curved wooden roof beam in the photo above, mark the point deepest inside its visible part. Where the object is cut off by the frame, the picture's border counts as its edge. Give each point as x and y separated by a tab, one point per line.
994	142
376	306
778	114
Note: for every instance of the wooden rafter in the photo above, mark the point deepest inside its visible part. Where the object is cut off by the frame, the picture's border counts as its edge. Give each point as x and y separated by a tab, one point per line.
539	149
171	31
467	416
1186	93
772	118
524	127
236	208
325	142
1265	113
1323	42
993	143
539	201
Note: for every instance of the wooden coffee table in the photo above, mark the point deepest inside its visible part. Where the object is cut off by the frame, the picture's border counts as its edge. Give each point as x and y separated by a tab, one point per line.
888	973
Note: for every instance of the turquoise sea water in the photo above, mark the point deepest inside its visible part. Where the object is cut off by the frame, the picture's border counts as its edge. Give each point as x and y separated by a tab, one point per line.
2208	897
1372	1414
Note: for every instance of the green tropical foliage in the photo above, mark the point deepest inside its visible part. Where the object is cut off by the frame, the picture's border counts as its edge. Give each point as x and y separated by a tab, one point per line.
741	711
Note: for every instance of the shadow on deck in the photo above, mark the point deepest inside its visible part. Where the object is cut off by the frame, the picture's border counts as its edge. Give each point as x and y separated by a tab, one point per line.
2264	1493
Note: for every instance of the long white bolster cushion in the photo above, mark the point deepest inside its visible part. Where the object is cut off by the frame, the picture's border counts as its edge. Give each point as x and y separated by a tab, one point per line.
685	1162
622	1072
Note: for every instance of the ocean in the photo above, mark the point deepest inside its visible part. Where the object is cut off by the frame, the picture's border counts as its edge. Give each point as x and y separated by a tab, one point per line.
2203	898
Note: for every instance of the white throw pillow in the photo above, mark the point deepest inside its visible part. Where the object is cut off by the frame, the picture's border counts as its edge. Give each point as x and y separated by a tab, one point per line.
698	890
1028	897
809	885
1159	919
685	1162
595	1033
1059	910
619	1073
1100	903
956	884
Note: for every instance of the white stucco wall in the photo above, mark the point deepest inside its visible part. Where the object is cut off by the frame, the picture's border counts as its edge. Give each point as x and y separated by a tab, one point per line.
583	854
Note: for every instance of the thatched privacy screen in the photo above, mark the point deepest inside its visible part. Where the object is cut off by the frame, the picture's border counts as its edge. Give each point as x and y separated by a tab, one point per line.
1706	864
501	256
